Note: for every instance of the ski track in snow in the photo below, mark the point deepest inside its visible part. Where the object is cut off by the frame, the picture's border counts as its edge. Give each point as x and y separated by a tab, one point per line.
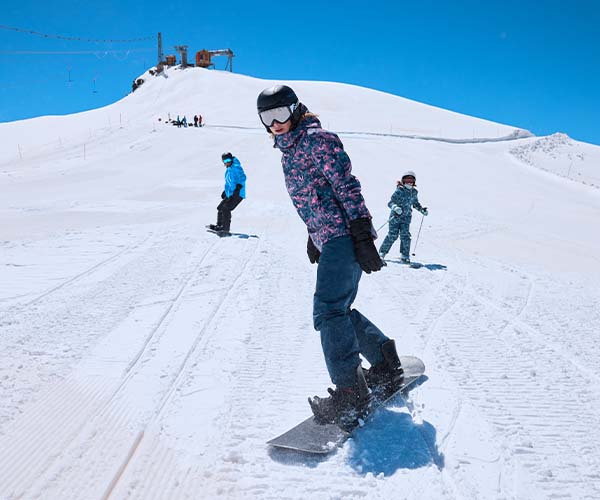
128	273
474	325
495	366
477	320
103	427
124	373
115	440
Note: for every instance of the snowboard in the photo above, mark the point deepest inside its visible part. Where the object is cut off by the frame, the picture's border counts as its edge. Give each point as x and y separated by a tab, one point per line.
222	234
311	437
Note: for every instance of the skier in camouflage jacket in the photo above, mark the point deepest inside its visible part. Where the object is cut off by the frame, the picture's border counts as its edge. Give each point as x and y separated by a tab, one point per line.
403	200
328	198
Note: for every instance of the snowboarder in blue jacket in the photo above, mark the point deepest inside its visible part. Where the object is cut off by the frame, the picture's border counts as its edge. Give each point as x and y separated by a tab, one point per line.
232	195
403	200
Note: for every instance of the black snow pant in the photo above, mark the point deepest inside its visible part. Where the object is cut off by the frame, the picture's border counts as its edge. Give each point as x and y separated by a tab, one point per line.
225	208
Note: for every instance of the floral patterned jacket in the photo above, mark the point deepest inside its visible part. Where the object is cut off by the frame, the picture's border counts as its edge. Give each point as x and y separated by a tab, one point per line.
319	180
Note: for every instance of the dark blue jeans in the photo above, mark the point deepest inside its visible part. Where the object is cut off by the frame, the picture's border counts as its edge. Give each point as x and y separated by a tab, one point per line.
345	333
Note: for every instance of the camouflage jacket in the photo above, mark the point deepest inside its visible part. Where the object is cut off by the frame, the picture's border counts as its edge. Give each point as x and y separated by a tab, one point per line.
406	199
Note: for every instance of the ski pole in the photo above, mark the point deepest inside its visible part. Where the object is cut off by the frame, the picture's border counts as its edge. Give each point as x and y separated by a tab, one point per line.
386	222
418	234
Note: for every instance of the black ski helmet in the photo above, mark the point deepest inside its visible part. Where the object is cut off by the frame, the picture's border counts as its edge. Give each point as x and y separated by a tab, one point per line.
276	96
226	156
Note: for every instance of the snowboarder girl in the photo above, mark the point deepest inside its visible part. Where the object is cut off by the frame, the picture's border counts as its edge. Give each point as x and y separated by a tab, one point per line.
403	200
328	199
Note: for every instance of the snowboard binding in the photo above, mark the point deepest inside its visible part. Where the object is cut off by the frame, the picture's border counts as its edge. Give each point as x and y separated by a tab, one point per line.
344	407
385	378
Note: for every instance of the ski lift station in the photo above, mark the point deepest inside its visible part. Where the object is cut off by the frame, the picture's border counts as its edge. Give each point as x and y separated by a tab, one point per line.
204	57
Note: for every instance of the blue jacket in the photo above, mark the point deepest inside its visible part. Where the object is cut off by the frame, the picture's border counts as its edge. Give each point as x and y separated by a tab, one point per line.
406	199
235	175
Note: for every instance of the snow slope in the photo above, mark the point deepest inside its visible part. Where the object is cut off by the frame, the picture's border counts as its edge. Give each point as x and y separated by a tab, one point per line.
142	357
563	156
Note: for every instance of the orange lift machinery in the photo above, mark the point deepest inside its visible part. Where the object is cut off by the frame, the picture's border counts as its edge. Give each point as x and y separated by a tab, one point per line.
204	58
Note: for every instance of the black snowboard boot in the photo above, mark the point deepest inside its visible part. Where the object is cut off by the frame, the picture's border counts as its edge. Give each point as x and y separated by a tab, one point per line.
386	377
345	405
220	230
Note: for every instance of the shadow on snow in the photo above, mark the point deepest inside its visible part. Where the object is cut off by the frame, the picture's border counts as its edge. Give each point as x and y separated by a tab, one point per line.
393	441
244	236
435	267
389	441
419	265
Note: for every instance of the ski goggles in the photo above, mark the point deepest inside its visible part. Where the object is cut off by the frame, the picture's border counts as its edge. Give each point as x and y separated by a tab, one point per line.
280	115
227	160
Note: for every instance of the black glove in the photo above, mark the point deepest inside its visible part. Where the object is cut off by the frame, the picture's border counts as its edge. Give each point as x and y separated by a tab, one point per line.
223	195
364	247
312	251
424	211
238	188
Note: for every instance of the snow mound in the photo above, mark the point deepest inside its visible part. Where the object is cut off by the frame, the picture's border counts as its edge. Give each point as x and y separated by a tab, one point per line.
229	100
563	156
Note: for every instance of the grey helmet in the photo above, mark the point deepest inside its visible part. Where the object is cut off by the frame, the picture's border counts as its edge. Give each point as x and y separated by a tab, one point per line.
409	173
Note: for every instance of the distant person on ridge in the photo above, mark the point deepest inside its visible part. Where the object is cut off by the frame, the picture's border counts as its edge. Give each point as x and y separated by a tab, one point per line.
195	120
403	200
232	195
328	199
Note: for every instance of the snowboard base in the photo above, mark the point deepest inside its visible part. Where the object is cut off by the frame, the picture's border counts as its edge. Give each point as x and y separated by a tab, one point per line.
311	437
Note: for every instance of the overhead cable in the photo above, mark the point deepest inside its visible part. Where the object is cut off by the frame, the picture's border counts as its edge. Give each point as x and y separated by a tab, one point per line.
62	37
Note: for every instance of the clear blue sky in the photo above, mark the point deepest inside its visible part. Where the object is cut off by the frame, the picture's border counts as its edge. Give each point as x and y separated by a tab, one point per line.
531	64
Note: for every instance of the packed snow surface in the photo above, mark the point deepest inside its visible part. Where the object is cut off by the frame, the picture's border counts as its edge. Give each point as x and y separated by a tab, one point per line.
143	357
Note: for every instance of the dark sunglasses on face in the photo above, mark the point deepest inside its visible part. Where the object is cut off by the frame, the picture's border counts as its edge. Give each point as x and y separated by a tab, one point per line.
280	115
